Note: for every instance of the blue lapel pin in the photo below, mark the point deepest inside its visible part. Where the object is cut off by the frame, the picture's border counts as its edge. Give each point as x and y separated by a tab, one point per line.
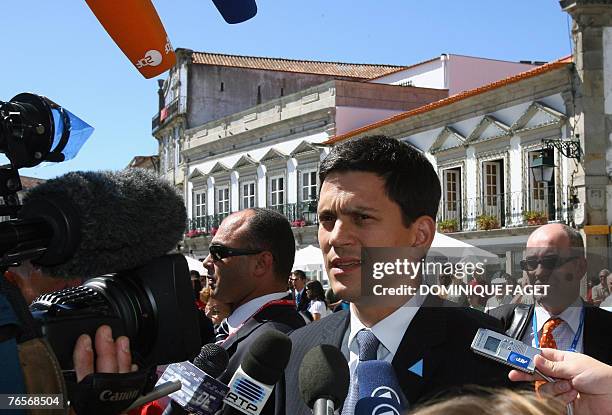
417	368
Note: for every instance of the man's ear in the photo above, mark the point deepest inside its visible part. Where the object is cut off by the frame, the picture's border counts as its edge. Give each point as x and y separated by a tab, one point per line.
581	267
425	230
264	264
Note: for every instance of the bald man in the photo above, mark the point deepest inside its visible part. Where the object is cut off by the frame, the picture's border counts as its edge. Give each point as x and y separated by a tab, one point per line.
559	318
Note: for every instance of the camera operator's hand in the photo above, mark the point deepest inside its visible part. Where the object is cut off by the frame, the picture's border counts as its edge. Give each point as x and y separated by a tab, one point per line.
581	379
113	356
108	382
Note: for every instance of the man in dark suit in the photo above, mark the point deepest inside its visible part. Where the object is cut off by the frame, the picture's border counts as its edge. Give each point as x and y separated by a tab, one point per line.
298	282
555	258
380	192
250	256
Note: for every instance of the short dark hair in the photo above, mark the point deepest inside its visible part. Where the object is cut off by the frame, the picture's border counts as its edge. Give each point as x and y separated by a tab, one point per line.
267	229
575	239
316	291
300	274
410	179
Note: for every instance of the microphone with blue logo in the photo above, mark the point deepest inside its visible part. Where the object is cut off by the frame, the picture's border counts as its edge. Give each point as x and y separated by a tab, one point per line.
262	366
379	390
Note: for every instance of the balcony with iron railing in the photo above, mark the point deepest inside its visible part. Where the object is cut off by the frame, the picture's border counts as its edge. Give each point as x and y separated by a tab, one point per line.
165	114
506	210
298	214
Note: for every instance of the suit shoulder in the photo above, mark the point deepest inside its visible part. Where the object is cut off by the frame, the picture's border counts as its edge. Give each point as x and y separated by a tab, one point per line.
502	311
462	318
314	328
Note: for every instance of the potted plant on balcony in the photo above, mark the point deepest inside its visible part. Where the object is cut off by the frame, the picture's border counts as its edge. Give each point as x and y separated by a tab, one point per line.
194	233
535	217
298	223
448	225
487	222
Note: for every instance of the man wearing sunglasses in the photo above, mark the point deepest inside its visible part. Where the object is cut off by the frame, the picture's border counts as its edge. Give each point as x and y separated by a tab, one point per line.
250	257
559	319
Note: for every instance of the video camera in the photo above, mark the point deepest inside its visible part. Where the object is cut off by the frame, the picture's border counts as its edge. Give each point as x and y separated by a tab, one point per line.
144	294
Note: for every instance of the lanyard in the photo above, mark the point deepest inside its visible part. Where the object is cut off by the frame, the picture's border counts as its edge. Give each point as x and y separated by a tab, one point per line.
259	310
576	336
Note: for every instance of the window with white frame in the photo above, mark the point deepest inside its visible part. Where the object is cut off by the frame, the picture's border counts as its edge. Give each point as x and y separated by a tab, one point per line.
199	207
223	200
309	185
247	195
277	191
541	194
452	193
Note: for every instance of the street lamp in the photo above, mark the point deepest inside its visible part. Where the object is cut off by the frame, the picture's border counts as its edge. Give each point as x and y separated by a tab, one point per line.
543	167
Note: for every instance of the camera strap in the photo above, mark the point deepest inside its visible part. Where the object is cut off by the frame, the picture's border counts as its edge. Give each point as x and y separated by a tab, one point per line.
105	393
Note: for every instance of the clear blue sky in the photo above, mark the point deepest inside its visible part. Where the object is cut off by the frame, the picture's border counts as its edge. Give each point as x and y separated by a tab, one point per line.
59	49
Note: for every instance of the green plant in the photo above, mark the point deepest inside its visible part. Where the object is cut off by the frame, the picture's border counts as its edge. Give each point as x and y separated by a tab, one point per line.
535	217
448	225
486	222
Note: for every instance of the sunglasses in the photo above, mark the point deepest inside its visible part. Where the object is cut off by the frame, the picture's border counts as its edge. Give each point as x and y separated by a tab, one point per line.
548	262
218	252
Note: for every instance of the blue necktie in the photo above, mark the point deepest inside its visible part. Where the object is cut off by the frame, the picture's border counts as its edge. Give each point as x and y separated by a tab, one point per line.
368	345
298	297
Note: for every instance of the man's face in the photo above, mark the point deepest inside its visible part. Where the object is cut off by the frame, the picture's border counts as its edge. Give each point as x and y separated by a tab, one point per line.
230	276
355	212
602	278
565	268
297	283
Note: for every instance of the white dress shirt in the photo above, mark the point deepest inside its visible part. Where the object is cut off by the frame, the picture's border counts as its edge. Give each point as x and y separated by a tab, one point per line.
246	310
564	333
389	331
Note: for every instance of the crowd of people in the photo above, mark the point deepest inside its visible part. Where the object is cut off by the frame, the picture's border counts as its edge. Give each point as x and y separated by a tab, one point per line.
380	192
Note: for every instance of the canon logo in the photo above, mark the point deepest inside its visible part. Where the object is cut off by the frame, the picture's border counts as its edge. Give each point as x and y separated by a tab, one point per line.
110	396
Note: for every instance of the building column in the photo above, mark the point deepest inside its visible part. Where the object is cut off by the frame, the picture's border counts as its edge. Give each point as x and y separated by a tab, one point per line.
292	181
210	196
261	186
592	37
515	156
471	188
234	192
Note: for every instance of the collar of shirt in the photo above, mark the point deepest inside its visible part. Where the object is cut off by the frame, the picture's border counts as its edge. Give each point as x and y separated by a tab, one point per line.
390	330
246	310
571	315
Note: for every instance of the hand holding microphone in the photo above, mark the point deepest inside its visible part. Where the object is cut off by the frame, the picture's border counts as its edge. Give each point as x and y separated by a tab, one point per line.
581	379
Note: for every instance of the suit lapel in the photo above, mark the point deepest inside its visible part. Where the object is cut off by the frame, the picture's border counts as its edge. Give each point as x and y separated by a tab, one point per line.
593	342
333	332
414	355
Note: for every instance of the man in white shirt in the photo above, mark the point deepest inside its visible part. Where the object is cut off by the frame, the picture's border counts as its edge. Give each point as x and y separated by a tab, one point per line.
250	257
600	292
560	319
379	192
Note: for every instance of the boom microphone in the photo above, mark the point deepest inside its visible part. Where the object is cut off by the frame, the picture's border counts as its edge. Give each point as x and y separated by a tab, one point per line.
93	223
324	379
236	11
261	367
135	27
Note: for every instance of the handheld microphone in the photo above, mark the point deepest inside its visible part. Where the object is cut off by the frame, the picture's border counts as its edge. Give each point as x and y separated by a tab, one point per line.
93	223
236	11
261	367
379	390
200	393
324	379
135	27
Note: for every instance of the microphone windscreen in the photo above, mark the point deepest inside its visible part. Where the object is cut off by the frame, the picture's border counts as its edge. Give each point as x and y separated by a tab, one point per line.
135	27
236	11
127	218
377	379
324	373
267	357
212	360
